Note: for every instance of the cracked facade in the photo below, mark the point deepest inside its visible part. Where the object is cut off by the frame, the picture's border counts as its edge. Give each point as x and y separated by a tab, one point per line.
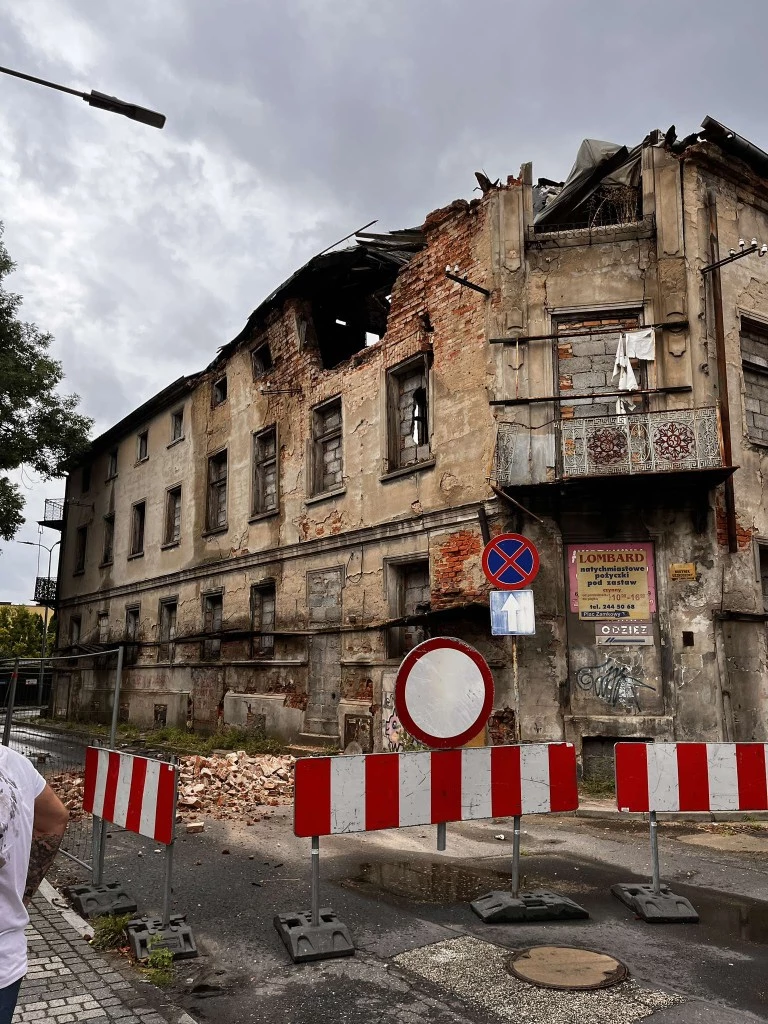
272	534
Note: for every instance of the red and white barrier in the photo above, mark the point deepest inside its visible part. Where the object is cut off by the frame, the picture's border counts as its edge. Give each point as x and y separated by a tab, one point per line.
136	793
692	776
374	791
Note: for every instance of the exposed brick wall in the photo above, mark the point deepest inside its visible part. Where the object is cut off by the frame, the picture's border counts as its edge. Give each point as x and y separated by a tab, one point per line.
455	573
744	534
585	364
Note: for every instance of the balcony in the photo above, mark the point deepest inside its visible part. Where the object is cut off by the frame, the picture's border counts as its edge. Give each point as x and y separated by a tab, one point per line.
53	516
45	590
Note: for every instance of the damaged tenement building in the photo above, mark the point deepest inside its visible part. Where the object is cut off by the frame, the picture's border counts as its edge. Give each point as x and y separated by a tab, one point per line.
269	536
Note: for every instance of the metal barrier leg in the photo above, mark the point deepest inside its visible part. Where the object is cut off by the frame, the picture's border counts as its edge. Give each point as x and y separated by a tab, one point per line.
167	892
441	831
96	861
315	881
656	876
516	855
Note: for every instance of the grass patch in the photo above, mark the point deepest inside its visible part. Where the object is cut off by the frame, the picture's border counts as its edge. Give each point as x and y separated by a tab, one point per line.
109	931
183	742
598	786
159	965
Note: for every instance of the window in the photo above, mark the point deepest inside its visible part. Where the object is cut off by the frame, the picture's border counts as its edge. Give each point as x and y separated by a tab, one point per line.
408	414
112	464
262	620
103	627
327	452
81	541
177	425
212	608
265	481
172	516
167	649
109	540
142	446
754	363
138	517
85	479
261	361
219	392
409	594
132	634
216	518
74	630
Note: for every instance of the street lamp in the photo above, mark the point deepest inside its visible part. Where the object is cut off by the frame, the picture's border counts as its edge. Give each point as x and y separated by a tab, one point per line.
38	545
100	100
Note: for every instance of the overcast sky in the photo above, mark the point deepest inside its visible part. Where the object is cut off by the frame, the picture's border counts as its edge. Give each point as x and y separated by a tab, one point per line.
291	123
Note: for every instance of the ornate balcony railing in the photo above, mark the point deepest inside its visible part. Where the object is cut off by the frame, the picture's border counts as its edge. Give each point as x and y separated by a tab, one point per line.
53	516
45	590
650	442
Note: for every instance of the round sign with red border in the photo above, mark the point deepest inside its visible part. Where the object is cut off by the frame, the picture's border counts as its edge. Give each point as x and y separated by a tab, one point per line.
510	561
444	692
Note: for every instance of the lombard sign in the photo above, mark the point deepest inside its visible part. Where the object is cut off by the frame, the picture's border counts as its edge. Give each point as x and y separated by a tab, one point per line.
612	581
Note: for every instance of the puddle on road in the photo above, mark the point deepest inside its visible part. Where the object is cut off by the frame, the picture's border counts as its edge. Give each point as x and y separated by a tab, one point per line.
733	918
428	881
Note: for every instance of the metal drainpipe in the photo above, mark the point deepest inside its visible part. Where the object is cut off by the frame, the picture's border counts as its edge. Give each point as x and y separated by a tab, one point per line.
722	372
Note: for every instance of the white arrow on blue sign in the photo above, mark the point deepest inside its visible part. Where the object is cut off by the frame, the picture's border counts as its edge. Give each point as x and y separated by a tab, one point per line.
512	613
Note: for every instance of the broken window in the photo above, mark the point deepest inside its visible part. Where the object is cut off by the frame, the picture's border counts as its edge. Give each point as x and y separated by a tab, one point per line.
754	363
172	515
81	542
167	649
109	539
327	451
142	446
177	425
132	634
219	391
261	360
138	518
265	480
408	414
409	594
112	464
216	518
103	627
213	605
262	620
85	479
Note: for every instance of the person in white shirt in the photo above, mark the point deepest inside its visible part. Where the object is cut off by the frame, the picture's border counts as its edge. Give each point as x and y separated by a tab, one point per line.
32	822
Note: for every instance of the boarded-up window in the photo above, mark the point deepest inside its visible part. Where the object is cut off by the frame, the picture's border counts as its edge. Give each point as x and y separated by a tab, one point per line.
262	620
754	363
131	635
173	516
81	542
109	539
586	355
74	630
327	451
265	480
217	491
408	414
212	612
167	649
409	595
138	519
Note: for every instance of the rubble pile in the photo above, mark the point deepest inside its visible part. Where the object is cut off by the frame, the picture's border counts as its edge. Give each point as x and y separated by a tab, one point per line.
234	786
68	787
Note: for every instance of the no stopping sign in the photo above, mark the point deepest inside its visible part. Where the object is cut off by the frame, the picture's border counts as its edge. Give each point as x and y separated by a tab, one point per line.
444	692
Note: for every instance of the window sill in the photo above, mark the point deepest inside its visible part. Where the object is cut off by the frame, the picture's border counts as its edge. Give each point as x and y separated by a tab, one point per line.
106	565
113	477
170	544
138	462
258	516
176	440
215	530
136	554
417	467
325	496
78	572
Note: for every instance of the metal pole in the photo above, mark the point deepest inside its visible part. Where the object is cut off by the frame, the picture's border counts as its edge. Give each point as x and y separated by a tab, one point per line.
116	698
96	864
169	848
516	855
441	836
655	855
11	703
44	649
315	881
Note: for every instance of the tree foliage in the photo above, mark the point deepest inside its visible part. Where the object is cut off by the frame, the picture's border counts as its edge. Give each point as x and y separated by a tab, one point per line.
39	427
21	632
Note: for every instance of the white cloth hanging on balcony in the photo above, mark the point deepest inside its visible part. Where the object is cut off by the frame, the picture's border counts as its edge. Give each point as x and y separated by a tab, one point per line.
623	368
641	344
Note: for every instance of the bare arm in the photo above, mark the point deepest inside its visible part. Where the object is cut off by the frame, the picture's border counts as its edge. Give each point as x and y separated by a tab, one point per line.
48	827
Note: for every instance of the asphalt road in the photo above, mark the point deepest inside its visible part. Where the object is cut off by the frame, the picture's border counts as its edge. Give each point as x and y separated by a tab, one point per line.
397	894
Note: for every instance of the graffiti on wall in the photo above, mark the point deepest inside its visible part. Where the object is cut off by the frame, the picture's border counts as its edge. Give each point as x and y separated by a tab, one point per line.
613	683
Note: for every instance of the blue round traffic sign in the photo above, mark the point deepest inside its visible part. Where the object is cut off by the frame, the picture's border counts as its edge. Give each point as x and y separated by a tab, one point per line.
510	561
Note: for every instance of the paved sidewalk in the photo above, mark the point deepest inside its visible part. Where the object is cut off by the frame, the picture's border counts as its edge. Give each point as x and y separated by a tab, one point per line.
68	981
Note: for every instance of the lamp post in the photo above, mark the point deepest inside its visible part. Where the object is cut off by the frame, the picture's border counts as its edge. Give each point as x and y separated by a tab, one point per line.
32	544
100	100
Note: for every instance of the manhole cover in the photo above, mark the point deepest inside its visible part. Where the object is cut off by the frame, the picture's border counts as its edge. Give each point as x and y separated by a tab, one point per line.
566	967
